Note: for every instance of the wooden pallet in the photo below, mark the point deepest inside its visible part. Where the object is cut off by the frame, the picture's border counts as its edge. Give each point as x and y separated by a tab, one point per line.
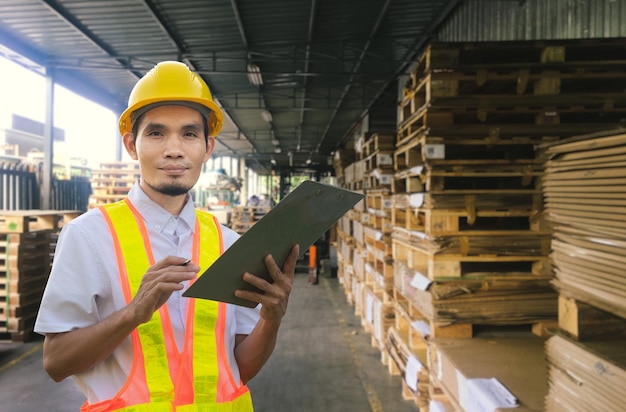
451	266
450	150
19	221
490	90
244	217
378	179
506	54
466	308
585	322
542	117
499	130
377	142
25	260
379	159
503	200
523	243
101	200
112	181
475	222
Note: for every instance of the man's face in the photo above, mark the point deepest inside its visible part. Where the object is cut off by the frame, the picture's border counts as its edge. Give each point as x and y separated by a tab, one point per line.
171	148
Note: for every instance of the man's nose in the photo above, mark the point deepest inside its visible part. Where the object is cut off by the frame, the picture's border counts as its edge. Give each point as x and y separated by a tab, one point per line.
175	147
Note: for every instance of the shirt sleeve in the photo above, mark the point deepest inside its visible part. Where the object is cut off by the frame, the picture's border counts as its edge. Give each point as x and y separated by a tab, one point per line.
75	284
246	319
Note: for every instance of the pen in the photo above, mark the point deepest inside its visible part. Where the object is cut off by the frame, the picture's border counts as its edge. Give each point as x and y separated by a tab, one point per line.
185	263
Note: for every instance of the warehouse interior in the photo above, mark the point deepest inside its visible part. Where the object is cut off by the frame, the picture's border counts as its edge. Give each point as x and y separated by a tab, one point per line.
484	268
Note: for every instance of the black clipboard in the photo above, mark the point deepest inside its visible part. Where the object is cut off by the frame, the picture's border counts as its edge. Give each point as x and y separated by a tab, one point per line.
302	217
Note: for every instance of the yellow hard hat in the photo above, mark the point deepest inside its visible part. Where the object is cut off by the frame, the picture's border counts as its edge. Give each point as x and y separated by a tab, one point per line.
171	81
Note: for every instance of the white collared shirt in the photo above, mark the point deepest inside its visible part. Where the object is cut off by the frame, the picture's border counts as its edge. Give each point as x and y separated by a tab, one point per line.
84	286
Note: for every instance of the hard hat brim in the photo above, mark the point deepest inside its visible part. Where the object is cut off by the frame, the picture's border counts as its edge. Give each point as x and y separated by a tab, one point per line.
215	120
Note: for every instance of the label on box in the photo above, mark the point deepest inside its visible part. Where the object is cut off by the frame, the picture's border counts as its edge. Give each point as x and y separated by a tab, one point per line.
435	151
416	170
420	281
413	367
416	199
385	159
487	395
422	327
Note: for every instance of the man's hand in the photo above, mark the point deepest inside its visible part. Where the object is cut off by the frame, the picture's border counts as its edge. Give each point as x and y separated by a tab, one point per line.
157	285
68	353
276	296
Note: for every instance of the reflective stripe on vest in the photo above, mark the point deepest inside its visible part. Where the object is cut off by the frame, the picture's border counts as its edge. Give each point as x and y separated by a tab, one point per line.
161	379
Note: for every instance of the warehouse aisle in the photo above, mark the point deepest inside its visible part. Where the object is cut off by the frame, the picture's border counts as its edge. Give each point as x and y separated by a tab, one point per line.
323	362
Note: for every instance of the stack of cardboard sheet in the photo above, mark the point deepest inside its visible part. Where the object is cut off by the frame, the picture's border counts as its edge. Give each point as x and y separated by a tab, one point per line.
491	374
586	378
585	191
585	195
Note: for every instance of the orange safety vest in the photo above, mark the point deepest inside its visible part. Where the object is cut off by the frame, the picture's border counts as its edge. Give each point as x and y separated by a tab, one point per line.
161	378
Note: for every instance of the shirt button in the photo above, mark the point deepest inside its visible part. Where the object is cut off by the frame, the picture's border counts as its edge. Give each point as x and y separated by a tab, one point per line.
157	227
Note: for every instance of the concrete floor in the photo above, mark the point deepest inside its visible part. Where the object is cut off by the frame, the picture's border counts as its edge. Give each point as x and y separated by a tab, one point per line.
324	361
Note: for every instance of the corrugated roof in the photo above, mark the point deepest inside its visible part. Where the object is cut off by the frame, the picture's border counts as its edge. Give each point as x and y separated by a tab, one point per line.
323	63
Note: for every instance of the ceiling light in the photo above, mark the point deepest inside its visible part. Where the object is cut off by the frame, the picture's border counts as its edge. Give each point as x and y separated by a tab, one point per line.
275	142
273	161
254	74
277	149
308	161
266	115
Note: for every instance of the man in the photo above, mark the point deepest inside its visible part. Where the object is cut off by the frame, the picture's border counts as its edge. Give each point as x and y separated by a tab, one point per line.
112	313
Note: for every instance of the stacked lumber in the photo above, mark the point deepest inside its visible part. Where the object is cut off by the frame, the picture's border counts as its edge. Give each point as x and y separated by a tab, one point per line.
112	182
27	242
586	202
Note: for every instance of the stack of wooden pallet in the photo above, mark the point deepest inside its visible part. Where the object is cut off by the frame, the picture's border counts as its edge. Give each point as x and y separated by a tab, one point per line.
470	243
586	201
112	181
368	273
27	242
244	217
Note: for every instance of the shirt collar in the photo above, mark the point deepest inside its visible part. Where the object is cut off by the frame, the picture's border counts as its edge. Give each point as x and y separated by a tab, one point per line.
157	217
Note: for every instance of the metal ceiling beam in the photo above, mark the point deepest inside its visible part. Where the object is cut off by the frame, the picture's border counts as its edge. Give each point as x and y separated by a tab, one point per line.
82	64
242	31
355	69
307	55
55	7
170	35
244	40
246	55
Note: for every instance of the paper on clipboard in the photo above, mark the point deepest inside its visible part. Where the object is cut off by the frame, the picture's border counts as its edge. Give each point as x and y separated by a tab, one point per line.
301	217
